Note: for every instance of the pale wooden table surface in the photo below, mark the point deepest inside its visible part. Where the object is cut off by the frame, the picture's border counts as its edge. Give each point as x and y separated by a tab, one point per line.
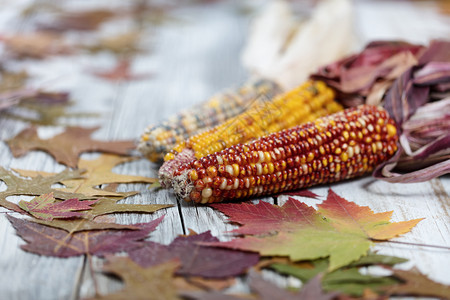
192	58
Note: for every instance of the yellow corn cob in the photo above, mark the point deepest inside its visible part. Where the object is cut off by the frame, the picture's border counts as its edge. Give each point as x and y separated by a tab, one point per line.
305	103
157	140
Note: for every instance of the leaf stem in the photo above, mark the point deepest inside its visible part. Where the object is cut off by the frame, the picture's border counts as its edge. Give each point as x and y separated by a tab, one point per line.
412	244
91	270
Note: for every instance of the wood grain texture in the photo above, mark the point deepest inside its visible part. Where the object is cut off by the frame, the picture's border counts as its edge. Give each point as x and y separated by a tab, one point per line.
192	58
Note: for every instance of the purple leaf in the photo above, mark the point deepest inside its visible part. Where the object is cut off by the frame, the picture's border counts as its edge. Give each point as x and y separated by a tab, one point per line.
196	260
50	241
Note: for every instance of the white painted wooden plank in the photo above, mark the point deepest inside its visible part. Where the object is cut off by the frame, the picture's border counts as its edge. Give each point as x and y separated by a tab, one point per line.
191	61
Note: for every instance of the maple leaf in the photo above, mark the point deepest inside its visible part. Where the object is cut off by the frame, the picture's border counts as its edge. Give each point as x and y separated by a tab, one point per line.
120	72
36	45
45	240
45	207
36	186
339	229
265	218
347	280
97	172
302	193
196	260
66	147
142	283
415	283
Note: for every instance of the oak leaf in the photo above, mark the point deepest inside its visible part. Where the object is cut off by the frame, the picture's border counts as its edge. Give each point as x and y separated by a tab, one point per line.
77	225
152	283
36	45
45	240
414	283
43	108
105	206
97	172
339	229
43	103
46	208
123	44
66	147
196	260
120	72
12	81
36	186
81	21
12	89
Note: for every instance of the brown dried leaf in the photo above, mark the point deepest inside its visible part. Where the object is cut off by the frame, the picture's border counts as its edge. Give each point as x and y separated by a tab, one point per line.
11	81
44	108
82	21
105	206
120	72
97	172
417	284
122	44
152	283
67	146
199	283
35	186
36	45
78	225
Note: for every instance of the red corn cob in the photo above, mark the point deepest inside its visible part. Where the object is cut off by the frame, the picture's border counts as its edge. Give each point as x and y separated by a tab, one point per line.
332	148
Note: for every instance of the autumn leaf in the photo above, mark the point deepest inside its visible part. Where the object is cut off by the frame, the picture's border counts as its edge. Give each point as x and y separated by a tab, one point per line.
120	72
46	208
81	21
12	81
339	229
193	283
346	280
122	44
105	206
12	89
142	283
97	172
43	108
45	104
78	225
265	218
196	260
45	240
66	147
108	203
415	283
302	193
211	295
35	186
268	291
36	45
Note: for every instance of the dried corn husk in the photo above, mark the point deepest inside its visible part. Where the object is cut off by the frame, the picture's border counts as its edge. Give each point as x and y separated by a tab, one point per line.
287	49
